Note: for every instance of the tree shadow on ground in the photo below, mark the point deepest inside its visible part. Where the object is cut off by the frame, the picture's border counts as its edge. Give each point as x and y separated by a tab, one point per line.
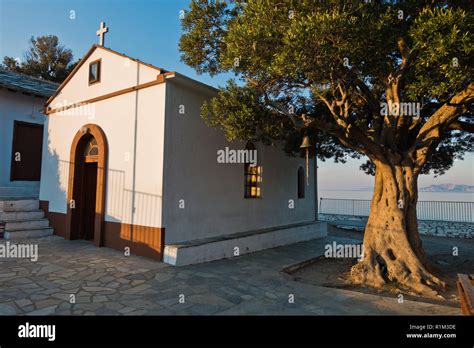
451	256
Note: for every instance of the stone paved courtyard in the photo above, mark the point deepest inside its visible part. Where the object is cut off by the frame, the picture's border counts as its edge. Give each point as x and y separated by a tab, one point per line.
105	282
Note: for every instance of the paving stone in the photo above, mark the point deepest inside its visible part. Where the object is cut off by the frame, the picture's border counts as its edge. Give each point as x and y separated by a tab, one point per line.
65	305
123	269
126	310
47	303
205	309
62	296
83	299
93	277
92	307
113	285
20	281
208	298
38	297
105	311
164	277
71	291
123	281
149	291
50	291
99	298
48	284
97	289
74	285
235	299
137	282
23	302
7	309
139	312
28	286
44	311
83	293
49	269
137	289
113	305
114	297
271	295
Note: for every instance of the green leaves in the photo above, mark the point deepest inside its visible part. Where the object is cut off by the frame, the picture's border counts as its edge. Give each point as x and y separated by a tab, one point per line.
443	42
307	56
240	114
46	58
203	41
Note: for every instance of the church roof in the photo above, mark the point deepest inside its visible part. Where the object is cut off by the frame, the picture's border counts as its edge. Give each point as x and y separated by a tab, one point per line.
26	84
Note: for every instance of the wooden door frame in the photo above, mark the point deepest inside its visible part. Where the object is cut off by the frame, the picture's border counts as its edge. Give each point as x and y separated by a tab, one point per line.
75	157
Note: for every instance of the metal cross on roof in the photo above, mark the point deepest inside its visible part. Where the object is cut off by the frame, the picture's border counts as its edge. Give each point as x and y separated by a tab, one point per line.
101	32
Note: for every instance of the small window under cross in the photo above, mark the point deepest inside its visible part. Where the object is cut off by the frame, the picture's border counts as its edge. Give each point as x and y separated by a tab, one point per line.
94	71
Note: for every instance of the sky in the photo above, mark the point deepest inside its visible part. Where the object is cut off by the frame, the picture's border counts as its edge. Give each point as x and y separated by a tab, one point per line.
149	30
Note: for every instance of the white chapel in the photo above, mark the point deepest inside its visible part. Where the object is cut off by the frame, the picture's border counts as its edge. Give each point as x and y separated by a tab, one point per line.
129	163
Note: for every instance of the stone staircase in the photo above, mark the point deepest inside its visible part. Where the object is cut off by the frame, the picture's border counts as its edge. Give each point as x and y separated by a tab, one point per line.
22	218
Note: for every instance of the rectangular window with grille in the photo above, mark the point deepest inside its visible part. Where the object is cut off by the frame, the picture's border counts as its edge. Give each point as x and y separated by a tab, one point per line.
253	181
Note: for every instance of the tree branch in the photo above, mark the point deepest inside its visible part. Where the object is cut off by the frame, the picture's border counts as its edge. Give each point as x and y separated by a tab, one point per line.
462	126
430	133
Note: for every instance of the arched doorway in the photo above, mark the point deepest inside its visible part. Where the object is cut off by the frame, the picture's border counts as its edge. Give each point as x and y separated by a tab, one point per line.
86	191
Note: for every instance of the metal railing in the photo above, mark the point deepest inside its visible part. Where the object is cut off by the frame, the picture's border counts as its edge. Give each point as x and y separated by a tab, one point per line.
426	210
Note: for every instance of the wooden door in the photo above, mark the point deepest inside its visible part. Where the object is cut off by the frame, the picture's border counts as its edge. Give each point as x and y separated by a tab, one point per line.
88	200
27	150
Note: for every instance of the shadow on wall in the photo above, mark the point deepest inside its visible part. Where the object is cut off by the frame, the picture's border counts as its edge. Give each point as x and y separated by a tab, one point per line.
53	173
133	215
130	216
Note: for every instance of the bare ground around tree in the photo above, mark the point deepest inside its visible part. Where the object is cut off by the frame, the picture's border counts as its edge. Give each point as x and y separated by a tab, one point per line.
335	272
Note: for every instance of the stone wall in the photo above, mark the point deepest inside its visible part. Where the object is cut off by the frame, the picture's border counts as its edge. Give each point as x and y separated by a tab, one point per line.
449	229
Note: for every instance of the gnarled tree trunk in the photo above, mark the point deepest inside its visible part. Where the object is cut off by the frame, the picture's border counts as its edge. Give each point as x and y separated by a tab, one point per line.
393	250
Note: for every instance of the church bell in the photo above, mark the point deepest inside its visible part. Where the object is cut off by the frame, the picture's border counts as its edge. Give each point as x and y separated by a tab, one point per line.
306	144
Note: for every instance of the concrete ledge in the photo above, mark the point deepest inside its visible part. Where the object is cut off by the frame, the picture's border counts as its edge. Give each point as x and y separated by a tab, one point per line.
301	265
211	249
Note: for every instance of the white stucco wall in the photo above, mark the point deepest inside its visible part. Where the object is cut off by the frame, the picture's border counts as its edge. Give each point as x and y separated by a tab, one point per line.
21	107
117	73
135	163
213	193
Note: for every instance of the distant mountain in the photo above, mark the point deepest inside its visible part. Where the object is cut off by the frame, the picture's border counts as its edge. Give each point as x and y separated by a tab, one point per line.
447	188
435	188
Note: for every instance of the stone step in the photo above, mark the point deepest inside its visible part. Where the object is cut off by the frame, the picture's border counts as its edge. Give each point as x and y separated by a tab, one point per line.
9	216
19	192
20	205
26	225
43	232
